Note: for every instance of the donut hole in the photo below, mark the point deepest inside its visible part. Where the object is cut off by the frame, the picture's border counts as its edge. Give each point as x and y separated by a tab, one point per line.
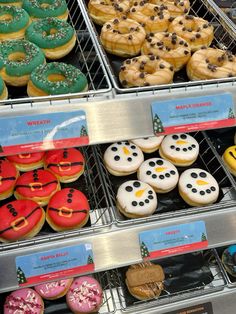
56	77
124	29
6	17
51	31
17	56
149	69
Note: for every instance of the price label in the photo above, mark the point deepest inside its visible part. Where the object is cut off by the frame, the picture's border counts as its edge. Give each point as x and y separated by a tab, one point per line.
205	308
49	265
173	240
43	132
191	114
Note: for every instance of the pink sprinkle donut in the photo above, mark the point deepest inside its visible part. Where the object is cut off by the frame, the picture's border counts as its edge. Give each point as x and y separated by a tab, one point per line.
84	295
54	290
25	301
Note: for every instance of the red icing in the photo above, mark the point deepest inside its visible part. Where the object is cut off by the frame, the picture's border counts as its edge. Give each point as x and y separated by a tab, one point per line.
8	175
27	158
20	217
63	206
63	162
36	183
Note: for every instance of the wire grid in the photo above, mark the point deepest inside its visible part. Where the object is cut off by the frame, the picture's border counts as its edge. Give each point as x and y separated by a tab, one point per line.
100	213
212	163
218	283
224	38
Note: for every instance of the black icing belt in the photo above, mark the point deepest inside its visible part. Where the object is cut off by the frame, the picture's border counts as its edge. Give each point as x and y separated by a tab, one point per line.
35	185
9	178
66	212
77	163
17	224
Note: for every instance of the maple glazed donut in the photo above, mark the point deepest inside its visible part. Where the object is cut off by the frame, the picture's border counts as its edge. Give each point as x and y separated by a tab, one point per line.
18	58
8	177
174	7
55	37
195	30
169	47
67	164
37	185
53	290
146	70
67	209
152	17
39	9
20	219
102	11
211	63
13	22
24	301
122	37
27	161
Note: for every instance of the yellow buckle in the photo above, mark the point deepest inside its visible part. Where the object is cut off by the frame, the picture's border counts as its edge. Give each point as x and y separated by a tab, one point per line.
22	156
65	212
0	180
36	186
15	222
64	166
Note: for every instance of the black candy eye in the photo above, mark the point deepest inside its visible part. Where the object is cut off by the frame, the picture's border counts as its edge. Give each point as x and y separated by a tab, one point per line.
202	174
147	201
208	191
190	148
193	145
132	146
129	159
152	164
117	158
167	175
194	175
135	154
189	186
136	184
194	190
172	147
127	143
161	177
159	162
148	173
129	188
202	192
172	172
213	188
119	143
114	149
150	197
183	136
175	137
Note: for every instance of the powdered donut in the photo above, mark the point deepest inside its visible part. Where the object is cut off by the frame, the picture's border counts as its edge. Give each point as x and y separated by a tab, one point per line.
54	290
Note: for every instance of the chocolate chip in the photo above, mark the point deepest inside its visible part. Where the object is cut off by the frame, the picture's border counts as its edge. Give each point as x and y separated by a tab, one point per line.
124	82
205	25
181	42
133	10
186	52
122	68
128	61
207	60
141	75
230	75
181	4
124	17
198	35
152	57
181	23
192	39
184	29
130	37
189	17
149	40
115	21
185	45
146	84
185	10
108	26
172	68
171	19
157	57
141	67
162	66
152	18
189	30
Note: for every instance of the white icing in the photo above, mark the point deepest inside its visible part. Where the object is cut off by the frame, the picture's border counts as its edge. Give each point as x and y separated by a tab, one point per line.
84	293
159	173
187	147
199	183
125	151
143	194
148	142
31	297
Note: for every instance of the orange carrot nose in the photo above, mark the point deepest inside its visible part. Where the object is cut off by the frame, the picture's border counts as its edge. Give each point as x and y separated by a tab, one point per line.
160	169
126	151
180	142
139	193
201	182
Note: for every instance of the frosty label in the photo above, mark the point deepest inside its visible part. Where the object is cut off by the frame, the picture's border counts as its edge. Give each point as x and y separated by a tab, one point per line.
173	240
54	264
191	114
42	132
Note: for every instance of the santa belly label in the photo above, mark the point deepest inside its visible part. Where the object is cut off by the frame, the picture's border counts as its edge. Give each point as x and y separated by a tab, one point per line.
54	264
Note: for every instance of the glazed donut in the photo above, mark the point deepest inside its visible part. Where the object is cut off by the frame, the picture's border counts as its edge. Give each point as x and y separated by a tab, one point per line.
102	11
195	30
211	63
152	17
175	7
3	90
16	3
56	78
17	60
169	47
145	71
39	9
122	37
54	36
13	22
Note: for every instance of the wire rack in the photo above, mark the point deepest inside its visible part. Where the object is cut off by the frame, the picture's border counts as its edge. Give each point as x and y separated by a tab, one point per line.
217	283
90	183
226	10
224	38
84	56
170	205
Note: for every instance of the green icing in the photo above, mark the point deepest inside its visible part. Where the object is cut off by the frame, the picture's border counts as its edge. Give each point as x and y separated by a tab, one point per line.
54	8
20	19
9	1
75	81
39	32
33	57
1	85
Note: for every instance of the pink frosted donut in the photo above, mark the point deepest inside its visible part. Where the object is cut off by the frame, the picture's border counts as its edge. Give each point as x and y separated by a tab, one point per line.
84	295
24	301
54	290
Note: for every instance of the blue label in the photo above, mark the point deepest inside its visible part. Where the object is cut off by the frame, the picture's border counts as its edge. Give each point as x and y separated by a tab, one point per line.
196	113
54	264
173	239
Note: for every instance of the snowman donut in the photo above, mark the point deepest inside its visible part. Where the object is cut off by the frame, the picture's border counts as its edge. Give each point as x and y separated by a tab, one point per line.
136	199
148	144
198	187
123	158
159	173
180	149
